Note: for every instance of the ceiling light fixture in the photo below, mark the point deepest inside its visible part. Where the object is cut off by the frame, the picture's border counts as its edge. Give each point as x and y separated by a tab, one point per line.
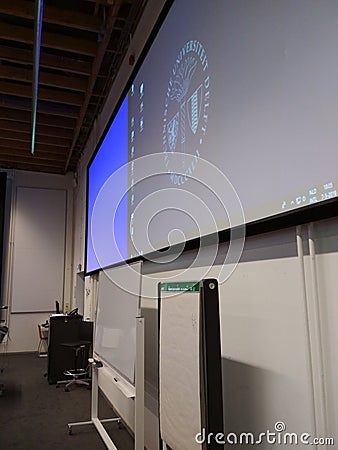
36	66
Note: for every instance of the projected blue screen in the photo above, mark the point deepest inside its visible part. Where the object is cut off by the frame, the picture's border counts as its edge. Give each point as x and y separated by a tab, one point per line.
112	155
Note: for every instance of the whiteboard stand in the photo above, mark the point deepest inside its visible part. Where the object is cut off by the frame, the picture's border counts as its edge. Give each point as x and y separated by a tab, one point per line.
139	385
139	398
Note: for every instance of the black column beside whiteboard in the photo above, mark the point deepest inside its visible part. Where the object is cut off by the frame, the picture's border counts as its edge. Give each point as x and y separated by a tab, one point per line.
190	375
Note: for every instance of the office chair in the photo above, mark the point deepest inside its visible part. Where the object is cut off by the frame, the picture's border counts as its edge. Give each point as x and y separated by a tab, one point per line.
43	344
76	373
3	332
3	328
81	349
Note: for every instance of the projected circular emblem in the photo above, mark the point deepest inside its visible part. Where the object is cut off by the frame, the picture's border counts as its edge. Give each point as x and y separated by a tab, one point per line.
186	107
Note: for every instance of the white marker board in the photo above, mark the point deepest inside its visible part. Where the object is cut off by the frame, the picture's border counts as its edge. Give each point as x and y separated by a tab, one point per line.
190	378
118	306
39	249
180	401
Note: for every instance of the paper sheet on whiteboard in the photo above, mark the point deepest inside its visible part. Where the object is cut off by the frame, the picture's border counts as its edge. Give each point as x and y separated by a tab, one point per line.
179	366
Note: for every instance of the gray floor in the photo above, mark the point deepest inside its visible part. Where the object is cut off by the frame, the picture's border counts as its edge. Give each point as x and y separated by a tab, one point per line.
34	414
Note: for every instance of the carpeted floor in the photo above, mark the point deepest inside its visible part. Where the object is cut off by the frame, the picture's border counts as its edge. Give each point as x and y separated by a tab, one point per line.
34	414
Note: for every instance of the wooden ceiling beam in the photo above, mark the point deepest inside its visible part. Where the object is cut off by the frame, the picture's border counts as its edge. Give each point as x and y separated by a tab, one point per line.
29	157
52	110
15	115
32	164
55	121
19	145
96	9
49	40
47	156
54	96
51	14
42	119
44	130
47	61
104	2
45	79
42	169
40	139
49	109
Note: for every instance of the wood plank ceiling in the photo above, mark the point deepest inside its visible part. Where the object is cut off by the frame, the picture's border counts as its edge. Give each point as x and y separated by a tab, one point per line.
83	43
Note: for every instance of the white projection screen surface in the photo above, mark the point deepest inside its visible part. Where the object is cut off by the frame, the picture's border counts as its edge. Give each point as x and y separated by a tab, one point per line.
251	87
115	326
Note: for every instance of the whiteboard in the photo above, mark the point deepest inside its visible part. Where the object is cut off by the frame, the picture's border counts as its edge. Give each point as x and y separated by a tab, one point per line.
179	370
39	249
190	368
118	306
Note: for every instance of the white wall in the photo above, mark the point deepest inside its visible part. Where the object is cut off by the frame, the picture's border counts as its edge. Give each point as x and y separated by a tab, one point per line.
23	331
271	351
272	336
326	240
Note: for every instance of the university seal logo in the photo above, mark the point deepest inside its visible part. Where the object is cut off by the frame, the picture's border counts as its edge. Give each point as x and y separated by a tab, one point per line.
186	107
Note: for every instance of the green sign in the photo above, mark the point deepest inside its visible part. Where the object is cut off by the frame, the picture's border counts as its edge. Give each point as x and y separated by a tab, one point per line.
181	286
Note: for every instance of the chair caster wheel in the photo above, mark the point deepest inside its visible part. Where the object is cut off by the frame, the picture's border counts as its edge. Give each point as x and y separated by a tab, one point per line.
119	424
66	390
70	431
